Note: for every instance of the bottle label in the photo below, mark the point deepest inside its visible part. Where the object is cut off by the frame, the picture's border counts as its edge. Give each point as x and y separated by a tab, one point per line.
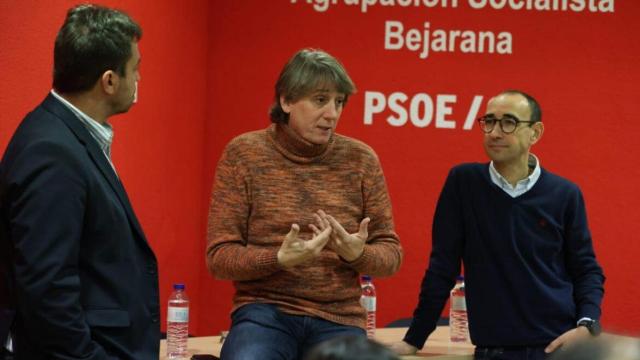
458	303
369	303
178	314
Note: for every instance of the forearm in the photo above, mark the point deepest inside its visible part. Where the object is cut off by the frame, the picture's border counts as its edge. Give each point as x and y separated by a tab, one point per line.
382	253
434	292
586	274
588	293
54	320
234	261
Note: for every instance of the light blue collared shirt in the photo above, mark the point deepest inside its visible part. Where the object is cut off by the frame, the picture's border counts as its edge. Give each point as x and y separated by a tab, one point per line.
102	133
523	185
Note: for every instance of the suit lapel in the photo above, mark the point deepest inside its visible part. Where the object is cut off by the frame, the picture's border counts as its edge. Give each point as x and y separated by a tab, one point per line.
97	155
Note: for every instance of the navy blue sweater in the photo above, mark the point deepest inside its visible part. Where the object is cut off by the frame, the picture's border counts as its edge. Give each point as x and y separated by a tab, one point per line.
530	269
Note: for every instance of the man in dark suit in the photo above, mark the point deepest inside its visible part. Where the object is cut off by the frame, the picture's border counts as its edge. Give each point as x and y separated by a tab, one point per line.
79	272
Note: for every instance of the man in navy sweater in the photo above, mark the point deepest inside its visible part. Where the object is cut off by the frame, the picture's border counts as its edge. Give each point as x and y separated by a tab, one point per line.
531	277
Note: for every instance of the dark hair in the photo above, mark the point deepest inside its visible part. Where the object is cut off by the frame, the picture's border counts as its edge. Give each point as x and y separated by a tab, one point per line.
351	347
305	71
536	112
92	40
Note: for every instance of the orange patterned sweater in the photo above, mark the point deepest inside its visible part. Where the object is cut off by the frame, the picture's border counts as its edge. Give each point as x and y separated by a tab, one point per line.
267	180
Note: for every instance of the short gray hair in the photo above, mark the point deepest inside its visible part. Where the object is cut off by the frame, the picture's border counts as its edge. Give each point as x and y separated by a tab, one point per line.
305	71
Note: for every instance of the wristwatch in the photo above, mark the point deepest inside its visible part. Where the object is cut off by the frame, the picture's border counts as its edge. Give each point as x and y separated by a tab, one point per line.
592	325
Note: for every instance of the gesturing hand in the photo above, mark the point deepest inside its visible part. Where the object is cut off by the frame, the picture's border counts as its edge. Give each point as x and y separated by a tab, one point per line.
403	348
294	250
568	338
347	246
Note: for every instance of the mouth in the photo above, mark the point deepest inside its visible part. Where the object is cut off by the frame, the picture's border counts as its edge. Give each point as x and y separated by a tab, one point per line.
496	146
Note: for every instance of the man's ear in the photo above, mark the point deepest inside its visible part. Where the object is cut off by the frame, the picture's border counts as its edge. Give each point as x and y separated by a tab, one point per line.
538	130
285	105
110	82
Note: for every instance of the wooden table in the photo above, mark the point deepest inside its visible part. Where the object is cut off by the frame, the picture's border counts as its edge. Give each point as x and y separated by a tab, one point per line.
438	345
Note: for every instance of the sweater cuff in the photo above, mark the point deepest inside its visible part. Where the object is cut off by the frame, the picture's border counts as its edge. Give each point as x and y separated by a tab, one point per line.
268	260
589	311
361	262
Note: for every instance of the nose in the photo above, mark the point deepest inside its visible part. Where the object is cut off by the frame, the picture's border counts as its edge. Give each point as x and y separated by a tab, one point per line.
496	132
332	110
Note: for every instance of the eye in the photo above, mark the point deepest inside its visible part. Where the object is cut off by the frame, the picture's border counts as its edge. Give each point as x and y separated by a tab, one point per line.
507	121
320	99
340	102
489	120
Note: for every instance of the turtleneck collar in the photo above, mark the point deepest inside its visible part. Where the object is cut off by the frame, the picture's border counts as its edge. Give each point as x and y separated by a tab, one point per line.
294	147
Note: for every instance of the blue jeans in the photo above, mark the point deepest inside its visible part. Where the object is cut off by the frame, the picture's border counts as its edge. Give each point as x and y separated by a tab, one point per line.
262	331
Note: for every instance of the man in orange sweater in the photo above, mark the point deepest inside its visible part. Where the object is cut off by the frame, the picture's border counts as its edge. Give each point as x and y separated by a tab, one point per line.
297	213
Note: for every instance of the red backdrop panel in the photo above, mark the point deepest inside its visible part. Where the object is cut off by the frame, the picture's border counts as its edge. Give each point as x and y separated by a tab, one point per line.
580	66
208	72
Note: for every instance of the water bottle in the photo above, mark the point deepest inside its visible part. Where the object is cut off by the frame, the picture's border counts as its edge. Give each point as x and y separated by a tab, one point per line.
177	323
368	301
458	324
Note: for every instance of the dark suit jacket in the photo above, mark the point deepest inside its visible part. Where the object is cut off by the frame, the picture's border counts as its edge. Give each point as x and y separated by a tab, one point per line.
82	277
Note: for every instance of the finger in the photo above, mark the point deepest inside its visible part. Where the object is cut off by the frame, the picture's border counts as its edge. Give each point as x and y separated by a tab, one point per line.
553	346
315	229
325	219
322	218
320	221
326	232
292	235
364	225
320	240
337	227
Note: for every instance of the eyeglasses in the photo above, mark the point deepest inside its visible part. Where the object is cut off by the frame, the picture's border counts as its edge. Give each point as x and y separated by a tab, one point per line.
508	123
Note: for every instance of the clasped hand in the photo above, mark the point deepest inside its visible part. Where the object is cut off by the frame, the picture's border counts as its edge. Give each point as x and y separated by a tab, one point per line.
327	232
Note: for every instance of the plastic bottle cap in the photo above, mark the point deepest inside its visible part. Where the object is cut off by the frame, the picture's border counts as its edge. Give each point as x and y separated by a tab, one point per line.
178	286
366	278
459	278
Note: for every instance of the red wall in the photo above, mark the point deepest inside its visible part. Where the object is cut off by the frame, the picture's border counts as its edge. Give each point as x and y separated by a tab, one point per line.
208	72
